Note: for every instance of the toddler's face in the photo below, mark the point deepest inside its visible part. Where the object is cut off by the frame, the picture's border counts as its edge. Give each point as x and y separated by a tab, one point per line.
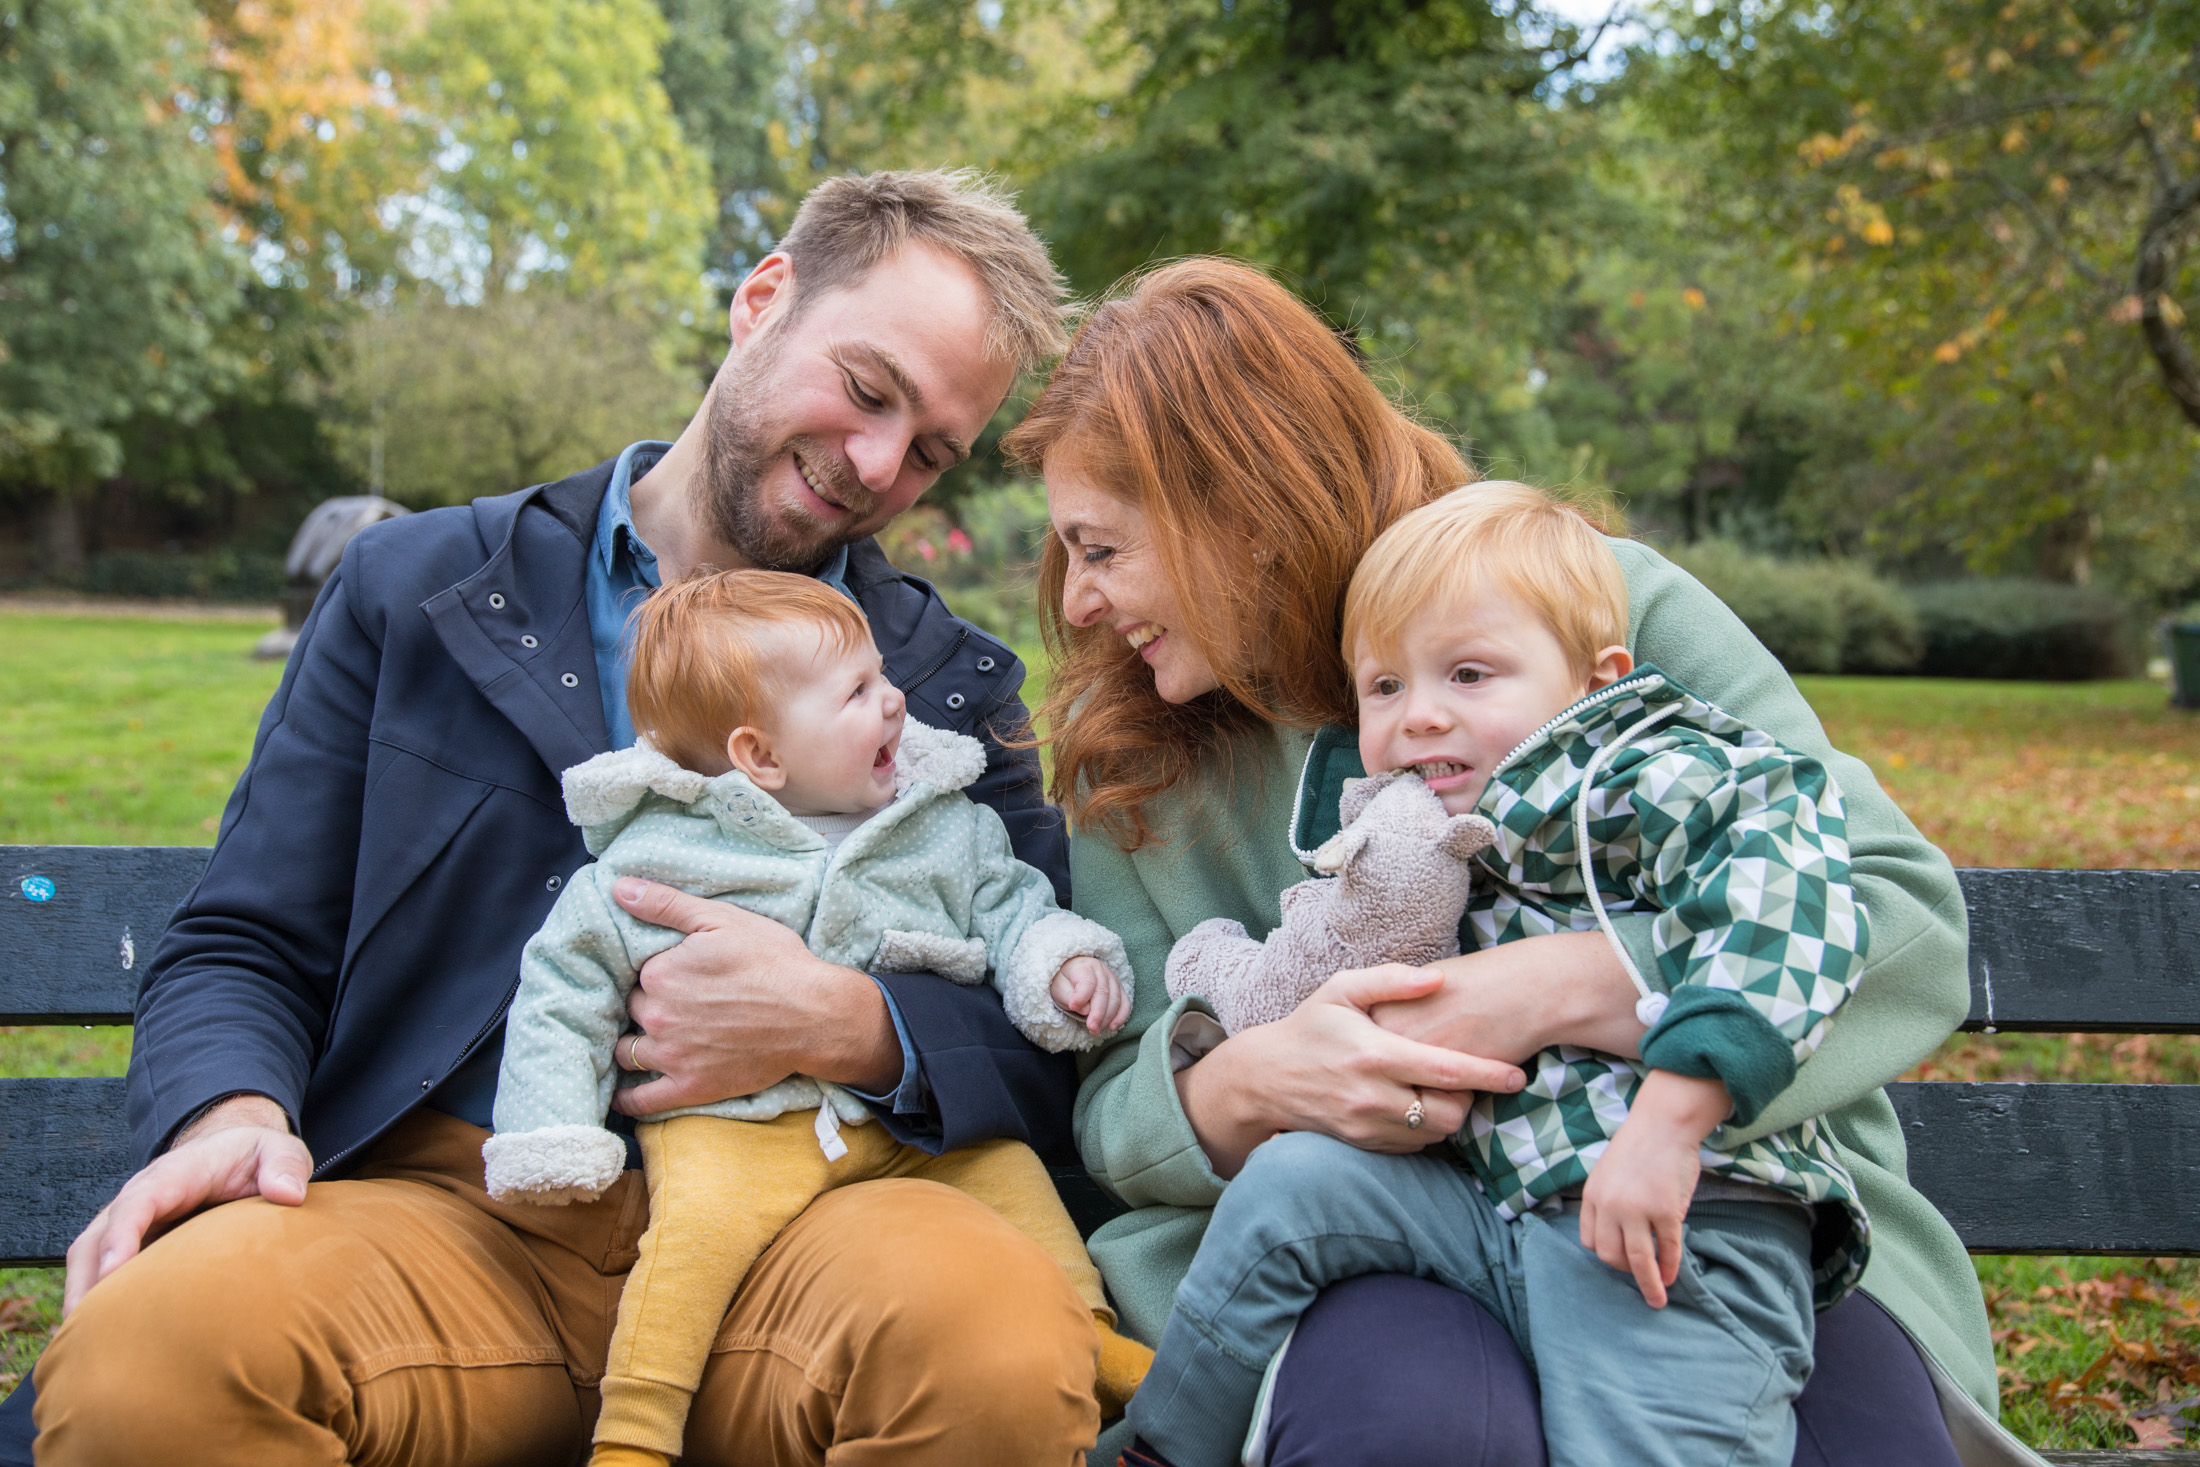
836	730
1465	685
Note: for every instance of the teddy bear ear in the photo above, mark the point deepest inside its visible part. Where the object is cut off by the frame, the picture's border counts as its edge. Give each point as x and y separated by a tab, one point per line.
1337	852
1466	834
1358	792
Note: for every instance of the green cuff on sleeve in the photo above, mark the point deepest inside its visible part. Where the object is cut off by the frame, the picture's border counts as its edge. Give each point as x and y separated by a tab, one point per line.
1713	1034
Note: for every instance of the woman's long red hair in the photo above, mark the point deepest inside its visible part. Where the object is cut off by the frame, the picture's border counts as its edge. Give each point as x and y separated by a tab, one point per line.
1265	463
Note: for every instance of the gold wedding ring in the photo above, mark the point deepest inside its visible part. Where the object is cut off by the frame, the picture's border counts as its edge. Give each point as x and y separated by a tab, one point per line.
634	1042
1415	1114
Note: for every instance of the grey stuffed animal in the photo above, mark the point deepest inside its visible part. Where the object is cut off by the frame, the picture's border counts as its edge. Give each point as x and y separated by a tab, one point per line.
1402	868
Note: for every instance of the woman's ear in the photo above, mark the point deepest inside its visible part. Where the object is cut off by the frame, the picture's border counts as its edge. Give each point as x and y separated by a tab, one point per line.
749	750
1612	664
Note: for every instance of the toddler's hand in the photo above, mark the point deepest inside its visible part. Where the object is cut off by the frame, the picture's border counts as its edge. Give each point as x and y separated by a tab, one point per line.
1637	1197
1089	989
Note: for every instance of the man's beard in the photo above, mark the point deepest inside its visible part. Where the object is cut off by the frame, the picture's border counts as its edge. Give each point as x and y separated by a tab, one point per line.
741	450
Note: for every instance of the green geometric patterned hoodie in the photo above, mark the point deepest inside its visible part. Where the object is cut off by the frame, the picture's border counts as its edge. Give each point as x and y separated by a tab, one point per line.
1740	847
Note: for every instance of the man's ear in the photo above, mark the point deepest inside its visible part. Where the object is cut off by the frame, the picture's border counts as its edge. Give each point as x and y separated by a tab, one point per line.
750	751
1612	664
764	296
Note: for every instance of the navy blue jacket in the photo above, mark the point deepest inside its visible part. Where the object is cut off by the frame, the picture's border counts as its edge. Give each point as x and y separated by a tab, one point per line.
400	834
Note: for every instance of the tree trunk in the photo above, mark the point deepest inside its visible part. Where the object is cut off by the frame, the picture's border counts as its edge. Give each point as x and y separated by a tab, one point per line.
2064	550
64	536
2150	281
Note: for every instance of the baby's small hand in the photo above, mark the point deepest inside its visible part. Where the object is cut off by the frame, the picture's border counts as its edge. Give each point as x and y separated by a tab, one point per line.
1089	989
1634	1207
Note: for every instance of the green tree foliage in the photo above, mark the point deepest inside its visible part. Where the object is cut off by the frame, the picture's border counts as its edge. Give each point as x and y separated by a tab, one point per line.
114	277
546	150
1996	204
444	402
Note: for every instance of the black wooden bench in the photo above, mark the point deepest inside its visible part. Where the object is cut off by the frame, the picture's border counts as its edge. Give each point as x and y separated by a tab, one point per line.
2058	1169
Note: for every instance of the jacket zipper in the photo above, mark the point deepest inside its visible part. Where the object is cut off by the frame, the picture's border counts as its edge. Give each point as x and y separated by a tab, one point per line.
1624	685
322	1168
962	634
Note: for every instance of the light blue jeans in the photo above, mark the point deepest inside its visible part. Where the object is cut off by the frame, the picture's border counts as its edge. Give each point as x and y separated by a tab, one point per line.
1709	1379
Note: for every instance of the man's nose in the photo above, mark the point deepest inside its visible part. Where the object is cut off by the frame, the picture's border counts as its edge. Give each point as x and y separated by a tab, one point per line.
877	457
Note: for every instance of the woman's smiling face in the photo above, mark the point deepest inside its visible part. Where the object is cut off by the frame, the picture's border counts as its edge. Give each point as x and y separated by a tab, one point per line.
1116	580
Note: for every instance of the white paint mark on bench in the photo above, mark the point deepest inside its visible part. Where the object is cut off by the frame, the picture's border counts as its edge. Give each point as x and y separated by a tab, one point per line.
129	951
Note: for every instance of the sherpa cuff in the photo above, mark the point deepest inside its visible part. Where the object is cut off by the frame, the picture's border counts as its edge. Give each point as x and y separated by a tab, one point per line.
1027	987
553	1165
1714	1034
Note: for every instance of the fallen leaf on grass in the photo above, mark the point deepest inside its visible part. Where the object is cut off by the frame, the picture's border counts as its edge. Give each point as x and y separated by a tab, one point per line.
2153	1432
18	1317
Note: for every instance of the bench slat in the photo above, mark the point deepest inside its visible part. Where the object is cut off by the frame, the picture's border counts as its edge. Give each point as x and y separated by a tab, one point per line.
64	1153
76	957
2016	1168
2058	1168
2084	951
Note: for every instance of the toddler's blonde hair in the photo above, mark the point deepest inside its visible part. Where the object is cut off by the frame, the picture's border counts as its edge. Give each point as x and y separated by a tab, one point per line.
1497	535
708	660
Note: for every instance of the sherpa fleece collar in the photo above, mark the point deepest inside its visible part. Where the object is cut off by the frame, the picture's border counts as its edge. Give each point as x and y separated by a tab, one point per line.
602	794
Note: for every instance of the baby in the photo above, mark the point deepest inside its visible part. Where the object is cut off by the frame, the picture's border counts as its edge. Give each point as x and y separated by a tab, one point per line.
777	771
1660	1279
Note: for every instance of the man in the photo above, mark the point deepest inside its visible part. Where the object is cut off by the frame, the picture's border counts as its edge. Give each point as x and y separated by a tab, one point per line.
329	1003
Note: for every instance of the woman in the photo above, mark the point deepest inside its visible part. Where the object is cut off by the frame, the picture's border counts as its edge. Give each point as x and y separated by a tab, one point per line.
1216	462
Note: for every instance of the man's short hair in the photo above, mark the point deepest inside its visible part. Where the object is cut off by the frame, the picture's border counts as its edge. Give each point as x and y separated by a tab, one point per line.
847	225
1497	535
710	655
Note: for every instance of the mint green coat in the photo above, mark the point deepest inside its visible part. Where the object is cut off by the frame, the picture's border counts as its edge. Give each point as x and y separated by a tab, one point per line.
1229	852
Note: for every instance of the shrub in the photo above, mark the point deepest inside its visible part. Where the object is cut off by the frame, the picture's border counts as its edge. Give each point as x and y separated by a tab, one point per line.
221	575
2040	631
1814	615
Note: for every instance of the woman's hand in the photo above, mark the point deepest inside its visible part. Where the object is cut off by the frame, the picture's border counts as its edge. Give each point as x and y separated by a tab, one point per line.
1329	1068
1519	997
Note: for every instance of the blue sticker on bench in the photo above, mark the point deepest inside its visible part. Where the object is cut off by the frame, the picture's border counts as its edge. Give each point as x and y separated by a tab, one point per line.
37	889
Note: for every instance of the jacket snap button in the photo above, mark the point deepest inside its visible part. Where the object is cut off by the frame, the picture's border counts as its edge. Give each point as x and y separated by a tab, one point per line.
496	600
985	664
553	883
570	681
529	641
423	1084
956	700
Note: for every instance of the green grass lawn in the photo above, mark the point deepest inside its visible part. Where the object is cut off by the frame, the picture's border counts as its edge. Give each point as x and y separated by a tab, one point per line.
131	732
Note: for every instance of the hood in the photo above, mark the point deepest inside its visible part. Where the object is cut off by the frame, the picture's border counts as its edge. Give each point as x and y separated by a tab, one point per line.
604	793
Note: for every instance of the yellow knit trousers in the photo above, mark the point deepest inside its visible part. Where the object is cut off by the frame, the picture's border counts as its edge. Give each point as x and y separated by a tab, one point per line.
721	1190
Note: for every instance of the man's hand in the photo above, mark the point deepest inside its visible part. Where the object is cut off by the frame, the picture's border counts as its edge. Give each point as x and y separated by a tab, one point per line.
742	1004
1634	1206
240	1148
1088	988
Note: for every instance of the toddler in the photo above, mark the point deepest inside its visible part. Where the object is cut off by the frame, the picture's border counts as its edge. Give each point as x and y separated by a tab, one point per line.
777	771
1659	1278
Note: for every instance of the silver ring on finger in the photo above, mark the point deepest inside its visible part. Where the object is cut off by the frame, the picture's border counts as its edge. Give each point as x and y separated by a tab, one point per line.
1415	1113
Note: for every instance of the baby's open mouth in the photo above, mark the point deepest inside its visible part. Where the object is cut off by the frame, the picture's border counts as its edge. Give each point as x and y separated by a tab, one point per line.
885	759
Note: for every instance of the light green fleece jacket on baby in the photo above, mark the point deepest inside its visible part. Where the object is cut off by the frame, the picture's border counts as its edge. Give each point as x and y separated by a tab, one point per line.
1226	850
928	884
